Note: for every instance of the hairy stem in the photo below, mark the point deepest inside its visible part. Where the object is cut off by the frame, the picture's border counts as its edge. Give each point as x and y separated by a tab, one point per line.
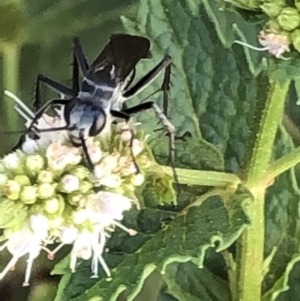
283	164
249	273
199	177
11	60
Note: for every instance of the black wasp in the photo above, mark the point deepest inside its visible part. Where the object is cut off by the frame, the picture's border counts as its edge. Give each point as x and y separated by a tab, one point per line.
107	84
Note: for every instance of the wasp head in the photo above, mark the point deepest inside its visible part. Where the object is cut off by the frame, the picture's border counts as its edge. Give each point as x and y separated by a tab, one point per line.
86	118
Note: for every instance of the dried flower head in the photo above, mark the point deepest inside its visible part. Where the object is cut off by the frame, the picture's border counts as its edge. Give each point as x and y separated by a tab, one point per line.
276	44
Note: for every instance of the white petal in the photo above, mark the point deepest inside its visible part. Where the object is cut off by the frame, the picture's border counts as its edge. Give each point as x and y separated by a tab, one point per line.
29	146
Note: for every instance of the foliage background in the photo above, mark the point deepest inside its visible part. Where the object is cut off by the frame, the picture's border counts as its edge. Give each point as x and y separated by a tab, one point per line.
216	88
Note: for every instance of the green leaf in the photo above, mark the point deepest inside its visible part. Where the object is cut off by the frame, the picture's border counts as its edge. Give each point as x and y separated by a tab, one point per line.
211	100
287	286
187	282
282	224
185	238
61	14
12	21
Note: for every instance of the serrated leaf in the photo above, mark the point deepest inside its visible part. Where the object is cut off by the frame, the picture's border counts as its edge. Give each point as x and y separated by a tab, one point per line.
282	222
186	238
187	282
287	286
190	153
211	100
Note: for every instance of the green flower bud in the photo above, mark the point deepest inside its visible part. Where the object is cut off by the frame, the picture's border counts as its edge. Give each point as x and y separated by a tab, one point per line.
273	8
137	179
272	26
79	216
295	37
297	4
289	19
12	189
45	176
3	179
13	196
85	186
45	191
28	194
22	180
80	172
52	205
75	198
55	223
34	163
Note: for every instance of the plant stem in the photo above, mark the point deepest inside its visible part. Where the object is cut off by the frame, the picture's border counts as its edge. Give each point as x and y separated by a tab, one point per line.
250	253
11	61
199	177
283	164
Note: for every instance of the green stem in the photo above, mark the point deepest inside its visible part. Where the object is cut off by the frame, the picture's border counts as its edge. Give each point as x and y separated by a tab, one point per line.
249	271
198	177
11	61
283	164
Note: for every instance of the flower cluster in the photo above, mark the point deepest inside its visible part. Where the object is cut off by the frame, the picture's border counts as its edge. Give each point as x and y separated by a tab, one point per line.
49	196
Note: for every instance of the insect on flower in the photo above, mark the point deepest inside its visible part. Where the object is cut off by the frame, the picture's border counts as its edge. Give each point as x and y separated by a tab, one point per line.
107	84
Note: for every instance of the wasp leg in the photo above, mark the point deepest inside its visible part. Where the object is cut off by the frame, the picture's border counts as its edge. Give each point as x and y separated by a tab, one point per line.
86	153
161	114
167	125
53	84
78	53
124	115
75	74
120	114
147	79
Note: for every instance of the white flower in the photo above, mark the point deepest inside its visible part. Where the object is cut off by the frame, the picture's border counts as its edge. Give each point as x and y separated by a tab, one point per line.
46	122
39	224
275	43
59	156
86	245
11	161
112	181
137	147
126	136
80	216
94	150
68	234
82	248
20	243
108	207
70	183
29	146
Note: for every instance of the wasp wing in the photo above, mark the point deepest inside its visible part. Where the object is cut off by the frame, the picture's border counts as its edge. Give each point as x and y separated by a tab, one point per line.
123	51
